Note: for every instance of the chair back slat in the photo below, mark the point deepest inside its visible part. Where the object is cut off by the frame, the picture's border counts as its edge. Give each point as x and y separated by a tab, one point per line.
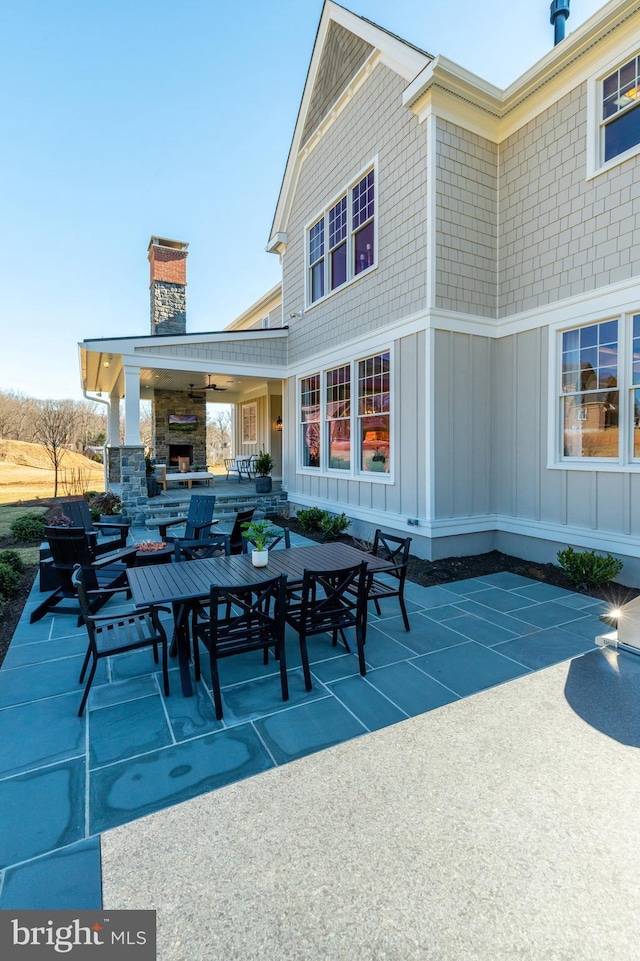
214	545
201	507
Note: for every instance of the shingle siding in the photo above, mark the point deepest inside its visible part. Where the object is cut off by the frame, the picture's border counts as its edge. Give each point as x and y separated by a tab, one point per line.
374	124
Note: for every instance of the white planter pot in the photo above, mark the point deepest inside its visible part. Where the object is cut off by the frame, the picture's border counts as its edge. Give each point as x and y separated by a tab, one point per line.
259	558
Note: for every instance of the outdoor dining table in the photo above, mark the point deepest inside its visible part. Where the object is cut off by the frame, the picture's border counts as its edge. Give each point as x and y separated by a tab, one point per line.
184	583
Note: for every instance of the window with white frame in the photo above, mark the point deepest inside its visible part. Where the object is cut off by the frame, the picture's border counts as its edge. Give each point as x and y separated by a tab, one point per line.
590	395
345	418
310	420
341	242
620	117
374	394
338	417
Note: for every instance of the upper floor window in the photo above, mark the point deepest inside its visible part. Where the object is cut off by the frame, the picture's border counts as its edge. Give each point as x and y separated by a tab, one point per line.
620	115
341	243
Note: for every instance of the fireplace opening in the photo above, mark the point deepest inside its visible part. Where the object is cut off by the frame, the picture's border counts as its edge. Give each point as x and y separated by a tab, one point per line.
179	450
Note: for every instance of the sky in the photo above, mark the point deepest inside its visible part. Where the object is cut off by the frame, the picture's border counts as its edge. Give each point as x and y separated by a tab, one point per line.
123	119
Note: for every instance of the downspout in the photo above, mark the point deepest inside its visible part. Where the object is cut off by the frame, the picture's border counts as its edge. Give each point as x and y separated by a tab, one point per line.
107	403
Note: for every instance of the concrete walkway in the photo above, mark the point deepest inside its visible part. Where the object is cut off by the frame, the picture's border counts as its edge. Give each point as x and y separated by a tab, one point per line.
498	827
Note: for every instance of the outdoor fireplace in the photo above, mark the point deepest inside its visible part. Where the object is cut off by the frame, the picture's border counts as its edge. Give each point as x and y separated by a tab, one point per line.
179	450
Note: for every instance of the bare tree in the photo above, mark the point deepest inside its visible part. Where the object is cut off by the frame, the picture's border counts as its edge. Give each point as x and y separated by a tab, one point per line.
55	430
218	435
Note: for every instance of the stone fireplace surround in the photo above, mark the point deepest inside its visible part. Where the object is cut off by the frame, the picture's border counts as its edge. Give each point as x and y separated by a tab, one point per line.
167	445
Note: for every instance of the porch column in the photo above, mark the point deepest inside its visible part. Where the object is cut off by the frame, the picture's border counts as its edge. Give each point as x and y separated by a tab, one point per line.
113	421
131	406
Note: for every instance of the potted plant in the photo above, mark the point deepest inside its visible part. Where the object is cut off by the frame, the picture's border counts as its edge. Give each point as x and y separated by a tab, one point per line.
150	472
108	507
261	534
263	465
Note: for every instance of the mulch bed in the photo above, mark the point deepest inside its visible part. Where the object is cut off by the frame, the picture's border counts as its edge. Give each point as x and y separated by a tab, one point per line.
427	573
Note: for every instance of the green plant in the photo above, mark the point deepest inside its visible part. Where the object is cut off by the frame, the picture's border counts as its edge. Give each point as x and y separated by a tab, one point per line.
263	464
588	569
9	580
28	528
260	533
333	525
309	518
13	559
106	504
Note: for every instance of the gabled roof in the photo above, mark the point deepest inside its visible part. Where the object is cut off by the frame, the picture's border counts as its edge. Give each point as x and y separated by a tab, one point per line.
345	45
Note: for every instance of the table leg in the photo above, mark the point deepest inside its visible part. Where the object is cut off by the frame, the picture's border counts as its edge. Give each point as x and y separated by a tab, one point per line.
181	642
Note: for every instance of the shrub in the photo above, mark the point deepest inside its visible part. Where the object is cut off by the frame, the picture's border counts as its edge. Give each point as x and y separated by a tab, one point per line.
106	504
263	464
333	525
13	559
9	580
310	518
588	569
28	528
58	519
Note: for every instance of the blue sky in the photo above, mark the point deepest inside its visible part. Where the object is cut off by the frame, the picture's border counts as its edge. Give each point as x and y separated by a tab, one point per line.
127	118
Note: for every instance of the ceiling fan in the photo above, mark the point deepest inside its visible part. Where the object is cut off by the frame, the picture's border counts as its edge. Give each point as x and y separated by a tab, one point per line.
211	386
193	395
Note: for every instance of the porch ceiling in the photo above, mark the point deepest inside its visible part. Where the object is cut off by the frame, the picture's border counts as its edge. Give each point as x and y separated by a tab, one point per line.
103	373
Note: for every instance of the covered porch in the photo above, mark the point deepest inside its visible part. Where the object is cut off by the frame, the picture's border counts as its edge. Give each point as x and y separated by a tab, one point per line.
181	375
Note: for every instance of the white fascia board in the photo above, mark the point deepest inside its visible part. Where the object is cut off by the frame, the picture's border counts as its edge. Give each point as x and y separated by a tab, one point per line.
158	344
204	365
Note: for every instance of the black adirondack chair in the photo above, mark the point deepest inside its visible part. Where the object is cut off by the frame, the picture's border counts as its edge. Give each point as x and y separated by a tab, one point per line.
241	621
72	546
116	633
329	603
198	520
79	514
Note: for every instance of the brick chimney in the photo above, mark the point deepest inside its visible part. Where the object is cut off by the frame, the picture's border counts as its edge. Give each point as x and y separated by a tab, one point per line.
168	286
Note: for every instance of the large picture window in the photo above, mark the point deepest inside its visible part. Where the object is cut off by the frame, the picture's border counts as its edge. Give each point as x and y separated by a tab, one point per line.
373	413
345	418
310	420
341	242
620	118
590	401
338	417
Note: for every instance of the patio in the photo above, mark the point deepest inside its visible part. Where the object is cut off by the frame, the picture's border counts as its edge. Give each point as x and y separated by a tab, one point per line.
66	780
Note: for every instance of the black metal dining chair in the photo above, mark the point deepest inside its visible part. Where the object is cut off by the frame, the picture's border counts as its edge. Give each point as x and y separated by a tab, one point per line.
213	545
242	619
390	582
329	602
117	633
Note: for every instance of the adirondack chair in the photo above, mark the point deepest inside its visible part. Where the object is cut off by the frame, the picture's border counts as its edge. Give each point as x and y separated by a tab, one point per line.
71	546
78	512
198	521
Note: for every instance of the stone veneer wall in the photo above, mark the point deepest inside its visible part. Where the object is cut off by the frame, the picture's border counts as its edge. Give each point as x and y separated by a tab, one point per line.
113	465
168	308
167	402
133	491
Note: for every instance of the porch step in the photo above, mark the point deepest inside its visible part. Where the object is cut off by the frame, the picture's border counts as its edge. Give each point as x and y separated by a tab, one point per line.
227	505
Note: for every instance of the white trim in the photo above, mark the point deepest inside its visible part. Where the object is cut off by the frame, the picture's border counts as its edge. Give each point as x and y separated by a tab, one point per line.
323	214
603	68
430	427
431	207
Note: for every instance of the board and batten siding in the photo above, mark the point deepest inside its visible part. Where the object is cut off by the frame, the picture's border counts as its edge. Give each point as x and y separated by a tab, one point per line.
461	425
406	495
561	235
606	502
373	125
466	221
